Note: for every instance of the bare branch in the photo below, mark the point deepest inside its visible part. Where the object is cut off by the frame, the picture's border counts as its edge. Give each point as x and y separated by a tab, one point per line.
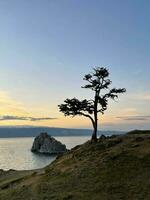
86	115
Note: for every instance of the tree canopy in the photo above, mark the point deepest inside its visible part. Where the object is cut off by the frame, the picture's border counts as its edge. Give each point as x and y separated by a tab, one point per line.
98	81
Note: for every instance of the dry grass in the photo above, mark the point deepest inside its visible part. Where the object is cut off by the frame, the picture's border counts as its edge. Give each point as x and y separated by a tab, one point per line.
112	169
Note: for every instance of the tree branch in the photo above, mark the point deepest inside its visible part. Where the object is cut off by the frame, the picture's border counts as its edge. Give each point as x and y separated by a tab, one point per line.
86	115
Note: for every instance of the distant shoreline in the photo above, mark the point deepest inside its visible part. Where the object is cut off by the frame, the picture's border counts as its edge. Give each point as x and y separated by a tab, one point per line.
12	132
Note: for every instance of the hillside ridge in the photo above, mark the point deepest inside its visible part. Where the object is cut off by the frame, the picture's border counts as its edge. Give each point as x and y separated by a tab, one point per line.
116	167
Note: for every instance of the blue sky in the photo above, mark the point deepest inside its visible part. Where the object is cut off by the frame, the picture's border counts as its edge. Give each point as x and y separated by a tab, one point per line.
47	46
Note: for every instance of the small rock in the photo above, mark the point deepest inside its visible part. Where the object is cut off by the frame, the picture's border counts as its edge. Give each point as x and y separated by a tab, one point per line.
113	136
139	139
135	145
1	172
102	138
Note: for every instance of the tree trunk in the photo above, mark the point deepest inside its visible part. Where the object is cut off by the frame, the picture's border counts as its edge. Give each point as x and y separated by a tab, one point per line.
94	135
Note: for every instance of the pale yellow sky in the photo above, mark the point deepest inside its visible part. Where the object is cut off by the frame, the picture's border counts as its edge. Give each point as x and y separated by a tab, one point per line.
110	120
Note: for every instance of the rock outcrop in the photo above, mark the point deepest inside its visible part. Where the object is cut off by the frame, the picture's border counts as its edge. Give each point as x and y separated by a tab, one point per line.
44	143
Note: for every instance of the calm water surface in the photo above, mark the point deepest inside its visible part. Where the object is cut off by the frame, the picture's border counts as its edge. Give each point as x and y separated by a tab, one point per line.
15	152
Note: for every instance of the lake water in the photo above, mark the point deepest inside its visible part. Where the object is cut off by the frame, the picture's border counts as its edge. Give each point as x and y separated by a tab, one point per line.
15	152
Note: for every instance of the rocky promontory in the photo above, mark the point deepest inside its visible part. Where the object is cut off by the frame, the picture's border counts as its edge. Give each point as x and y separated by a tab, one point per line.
47	144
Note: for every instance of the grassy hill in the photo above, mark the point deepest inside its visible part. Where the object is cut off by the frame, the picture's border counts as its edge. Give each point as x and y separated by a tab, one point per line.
115	168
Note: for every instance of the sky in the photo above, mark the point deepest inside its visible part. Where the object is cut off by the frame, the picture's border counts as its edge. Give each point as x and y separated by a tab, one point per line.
47	46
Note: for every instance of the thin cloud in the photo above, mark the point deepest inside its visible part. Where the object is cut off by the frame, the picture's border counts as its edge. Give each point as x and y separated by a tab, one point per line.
135	118
143	97
40	119
9	117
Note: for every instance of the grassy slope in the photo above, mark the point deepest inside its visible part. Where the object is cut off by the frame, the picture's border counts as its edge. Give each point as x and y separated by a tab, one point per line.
114	168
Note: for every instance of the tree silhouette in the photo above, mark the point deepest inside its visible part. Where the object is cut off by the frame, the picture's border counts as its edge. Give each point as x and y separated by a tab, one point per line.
99	83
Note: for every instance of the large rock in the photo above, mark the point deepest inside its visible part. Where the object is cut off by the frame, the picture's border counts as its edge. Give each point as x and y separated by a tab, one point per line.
44	143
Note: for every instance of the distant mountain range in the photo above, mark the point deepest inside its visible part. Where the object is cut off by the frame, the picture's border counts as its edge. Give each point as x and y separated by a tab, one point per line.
27	131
